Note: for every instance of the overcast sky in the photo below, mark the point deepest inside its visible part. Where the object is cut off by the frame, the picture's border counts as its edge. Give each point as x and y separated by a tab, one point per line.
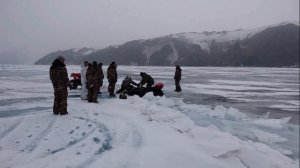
30	29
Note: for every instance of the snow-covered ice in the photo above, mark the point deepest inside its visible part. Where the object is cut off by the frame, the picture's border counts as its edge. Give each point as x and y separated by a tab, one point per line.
162	132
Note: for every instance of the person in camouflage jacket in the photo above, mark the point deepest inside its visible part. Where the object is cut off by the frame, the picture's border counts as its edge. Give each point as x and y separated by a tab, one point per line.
177	78
112	77
93	78
60	81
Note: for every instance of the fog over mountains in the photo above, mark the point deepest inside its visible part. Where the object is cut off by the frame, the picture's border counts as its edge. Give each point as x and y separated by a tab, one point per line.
270	46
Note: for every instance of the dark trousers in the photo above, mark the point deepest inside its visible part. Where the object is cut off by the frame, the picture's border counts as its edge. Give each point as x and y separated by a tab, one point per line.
93	93
60	100
149	86
177	84
111	88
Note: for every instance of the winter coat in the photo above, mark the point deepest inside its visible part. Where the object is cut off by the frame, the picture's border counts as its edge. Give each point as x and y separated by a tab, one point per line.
127	82
59	74
92	75
112	75
83	74
177	74
146	79
84	91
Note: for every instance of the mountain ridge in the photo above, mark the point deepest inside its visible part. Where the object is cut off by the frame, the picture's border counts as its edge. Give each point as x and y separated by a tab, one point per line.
275	45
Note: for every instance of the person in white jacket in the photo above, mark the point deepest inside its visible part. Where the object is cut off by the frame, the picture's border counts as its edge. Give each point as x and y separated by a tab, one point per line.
84	91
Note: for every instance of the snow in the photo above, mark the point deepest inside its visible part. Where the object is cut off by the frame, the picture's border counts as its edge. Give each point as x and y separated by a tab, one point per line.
268	137
129	133
173	56
272	123
87	52
148	51
205	39
136	132
75	50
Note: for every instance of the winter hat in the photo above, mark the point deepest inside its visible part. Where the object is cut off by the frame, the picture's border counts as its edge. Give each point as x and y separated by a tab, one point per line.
61	58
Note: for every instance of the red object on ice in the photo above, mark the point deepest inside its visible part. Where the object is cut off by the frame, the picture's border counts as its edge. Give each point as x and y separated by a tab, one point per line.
159	85
75	76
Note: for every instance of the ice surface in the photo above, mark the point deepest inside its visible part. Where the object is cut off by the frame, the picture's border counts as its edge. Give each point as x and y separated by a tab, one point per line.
136	132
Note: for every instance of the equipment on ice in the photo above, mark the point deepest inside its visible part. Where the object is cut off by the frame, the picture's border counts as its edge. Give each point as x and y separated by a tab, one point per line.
76	81
130	88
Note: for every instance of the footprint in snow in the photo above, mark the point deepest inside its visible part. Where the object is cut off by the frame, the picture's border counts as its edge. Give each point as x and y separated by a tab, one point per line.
96	140
71	132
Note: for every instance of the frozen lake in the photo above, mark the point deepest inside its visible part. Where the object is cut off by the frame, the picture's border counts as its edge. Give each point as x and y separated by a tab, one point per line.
253	104
254	91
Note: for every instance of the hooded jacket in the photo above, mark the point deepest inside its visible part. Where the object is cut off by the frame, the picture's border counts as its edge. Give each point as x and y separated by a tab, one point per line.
59	74
112	75
83	73
177	73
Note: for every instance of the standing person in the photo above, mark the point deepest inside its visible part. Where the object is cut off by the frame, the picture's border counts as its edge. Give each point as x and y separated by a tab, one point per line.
60	81
146	79
92	76
177	78
101	76
84	90
112	77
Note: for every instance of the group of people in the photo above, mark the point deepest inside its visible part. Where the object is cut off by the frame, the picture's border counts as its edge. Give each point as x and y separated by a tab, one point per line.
92	80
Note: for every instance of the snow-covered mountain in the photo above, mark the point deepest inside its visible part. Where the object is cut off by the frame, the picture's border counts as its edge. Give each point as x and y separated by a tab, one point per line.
275	45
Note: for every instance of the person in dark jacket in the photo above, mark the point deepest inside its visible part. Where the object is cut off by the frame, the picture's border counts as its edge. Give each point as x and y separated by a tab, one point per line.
60	81
93	78
177	78
101	76
127	85
112	77
146	79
